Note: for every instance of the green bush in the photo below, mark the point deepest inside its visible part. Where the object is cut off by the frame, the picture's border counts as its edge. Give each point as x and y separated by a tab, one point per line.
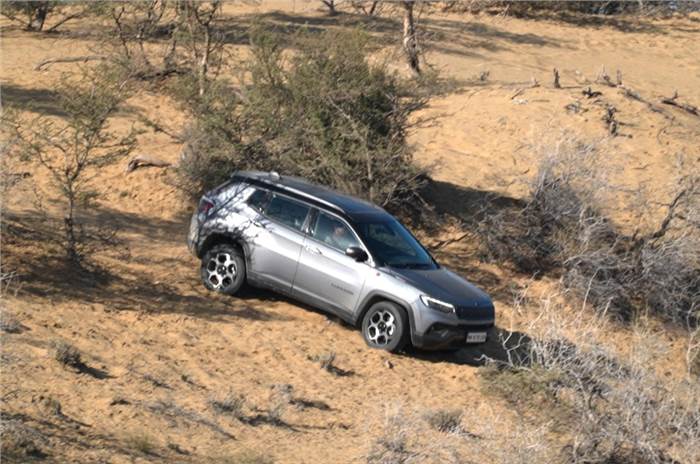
324	111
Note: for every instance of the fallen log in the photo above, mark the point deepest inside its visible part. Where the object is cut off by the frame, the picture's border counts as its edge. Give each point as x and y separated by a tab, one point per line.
673	101
73	59
145	160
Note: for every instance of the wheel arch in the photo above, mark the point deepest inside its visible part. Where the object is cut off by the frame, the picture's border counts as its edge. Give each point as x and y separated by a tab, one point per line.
376	297
219	238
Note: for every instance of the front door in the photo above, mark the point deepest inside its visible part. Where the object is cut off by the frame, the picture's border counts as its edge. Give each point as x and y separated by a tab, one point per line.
325	275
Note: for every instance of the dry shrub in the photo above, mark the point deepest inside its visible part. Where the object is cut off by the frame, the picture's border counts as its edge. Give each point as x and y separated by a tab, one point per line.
67	354
9	323
444	420
562	229
232	404
617	409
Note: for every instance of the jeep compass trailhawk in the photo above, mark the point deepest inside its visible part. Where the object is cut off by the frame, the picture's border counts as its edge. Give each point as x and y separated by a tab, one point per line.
338	253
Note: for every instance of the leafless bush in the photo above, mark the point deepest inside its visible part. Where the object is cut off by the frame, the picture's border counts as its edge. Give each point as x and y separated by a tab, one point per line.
444	420
618	411
562	229
231	404
67	354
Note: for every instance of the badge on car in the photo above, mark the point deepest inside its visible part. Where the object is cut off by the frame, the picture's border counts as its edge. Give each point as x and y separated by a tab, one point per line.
476	337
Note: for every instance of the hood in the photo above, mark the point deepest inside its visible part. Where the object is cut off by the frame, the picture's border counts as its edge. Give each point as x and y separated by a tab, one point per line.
444	285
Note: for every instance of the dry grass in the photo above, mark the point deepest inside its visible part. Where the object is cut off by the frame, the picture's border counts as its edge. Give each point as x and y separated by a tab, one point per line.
616	408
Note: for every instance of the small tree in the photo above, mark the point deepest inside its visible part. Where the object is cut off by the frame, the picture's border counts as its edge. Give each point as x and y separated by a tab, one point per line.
73	149
410	39
325	113
204	44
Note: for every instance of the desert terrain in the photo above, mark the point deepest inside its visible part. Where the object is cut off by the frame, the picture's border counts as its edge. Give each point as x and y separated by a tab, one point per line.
159	352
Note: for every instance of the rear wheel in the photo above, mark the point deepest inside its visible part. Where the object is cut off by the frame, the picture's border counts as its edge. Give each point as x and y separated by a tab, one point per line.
385	326
223	269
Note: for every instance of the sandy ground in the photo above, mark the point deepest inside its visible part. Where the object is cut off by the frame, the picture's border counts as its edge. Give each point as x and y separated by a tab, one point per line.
158	348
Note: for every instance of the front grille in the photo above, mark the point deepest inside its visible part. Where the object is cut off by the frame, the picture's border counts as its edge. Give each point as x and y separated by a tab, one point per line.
475	313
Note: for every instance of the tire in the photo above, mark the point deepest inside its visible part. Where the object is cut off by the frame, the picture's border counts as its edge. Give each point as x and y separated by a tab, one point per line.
223	269
385	326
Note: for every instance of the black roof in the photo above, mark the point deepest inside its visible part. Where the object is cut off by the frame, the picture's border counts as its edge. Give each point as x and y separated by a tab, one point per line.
352	207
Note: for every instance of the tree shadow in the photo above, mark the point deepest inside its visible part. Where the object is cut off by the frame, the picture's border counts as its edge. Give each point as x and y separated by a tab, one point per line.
620	22
41	101
118	287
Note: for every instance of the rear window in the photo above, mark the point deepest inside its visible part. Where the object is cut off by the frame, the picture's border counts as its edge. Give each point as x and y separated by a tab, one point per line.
258	200
287	211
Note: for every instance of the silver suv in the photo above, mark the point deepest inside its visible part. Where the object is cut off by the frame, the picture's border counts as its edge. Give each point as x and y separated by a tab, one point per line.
338	253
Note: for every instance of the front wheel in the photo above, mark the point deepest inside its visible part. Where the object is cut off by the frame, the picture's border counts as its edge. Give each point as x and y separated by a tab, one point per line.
223	269
385	326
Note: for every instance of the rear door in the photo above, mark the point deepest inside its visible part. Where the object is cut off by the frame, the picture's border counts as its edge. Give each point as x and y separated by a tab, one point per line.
275	241
326	277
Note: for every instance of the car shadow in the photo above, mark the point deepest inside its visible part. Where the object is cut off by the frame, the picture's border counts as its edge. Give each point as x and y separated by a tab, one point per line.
503	346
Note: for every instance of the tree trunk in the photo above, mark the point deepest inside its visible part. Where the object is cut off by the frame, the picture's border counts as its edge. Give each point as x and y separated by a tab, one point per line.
410	42
204	64
38	17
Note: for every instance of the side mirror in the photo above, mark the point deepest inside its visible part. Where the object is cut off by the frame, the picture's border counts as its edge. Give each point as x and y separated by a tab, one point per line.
357	253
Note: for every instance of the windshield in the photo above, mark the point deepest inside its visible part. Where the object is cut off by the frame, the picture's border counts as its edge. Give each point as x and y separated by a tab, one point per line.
394	246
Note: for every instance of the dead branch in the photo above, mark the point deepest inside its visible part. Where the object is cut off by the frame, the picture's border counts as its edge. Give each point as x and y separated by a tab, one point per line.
591	93
145	160
74	59
673	101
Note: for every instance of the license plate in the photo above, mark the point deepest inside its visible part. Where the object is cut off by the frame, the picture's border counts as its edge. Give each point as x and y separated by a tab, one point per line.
476	337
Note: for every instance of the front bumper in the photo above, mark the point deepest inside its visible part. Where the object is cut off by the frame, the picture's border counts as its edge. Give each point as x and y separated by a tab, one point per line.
441	336
435	330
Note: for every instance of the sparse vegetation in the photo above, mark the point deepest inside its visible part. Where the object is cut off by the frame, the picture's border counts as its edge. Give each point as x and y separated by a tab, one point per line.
585	376
561	228
20	442
615	410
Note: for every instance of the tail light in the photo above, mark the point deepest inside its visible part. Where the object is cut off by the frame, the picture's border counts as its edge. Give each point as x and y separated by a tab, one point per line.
205	205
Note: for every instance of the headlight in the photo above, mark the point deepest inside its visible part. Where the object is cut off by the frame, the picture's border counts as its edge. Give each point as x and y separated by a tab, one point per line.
437	305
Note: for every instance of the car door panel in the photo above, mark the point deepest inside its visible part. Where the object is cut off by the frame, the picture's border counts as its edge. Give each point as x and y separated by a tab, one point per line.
326	276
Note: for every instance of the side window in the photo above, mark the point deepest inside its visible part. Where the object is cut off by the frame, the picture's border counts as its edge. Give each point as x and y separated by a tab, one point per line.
258	199
333	232
286	211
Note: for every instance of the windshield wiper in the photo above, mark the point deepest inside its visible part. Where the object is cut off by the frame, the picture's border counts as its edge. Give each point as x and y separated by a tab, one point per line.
411	265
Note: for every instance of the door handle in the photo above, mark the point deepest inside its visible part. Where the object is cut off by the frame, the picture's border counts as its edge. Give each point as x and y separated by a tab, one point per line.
257	223
313	250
